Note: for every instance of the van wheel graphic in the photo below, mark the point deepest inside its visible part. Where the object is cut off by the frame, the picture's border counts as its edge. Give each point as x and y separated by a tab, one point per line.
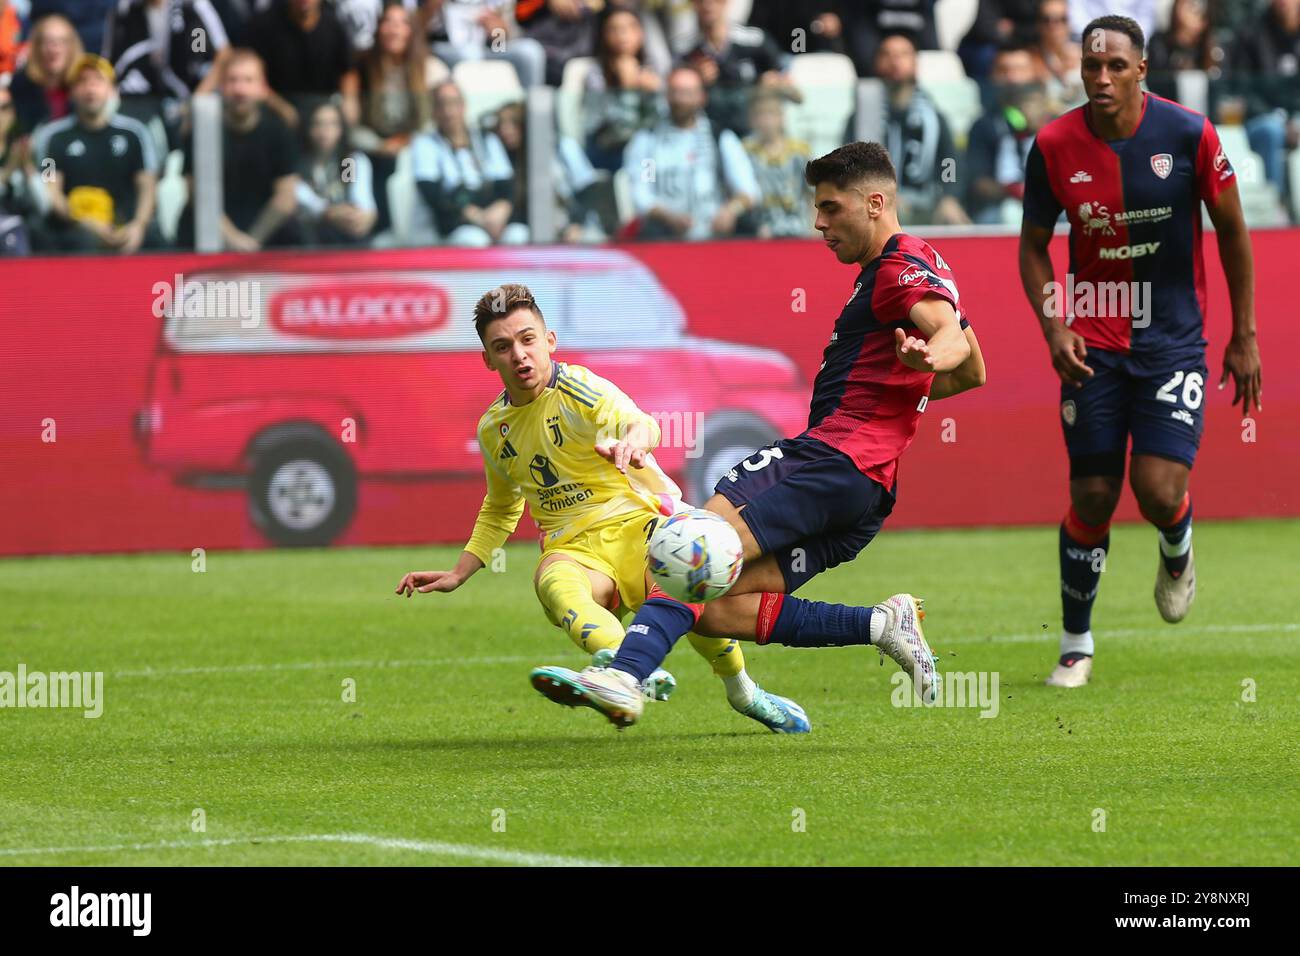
726	439
302	492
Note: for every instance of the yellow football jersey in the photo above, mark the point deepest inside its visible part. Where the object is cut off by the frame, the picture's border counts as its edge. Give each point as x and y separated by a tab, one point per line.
544	453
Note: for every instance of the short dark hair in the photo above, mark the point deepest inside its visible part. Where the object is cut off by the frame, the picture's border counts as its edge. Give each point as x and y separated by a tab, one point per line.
500	302
849	164
907	35
1012	45
1125	25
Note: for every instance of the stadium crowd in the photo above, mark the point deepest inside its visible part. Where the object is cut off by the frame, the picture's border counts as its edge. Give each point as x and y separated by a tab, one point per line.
398	122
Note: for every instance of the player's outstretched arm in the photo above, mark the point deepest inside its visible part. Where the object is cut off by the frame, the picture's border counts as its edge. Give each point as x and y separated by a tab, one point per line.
631	449
969	374
1241	357
1036	276
426	581
944	348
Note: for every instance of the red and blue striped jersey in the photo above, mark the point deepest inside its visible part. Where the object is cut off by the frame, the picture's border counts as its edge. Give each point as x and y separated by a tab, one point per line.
1134	208
865	402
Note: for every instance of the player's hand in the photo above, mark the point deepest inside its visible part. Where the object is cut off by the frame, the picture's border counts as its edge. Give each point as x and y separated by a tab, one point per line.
1068	353
1241	361
622	454
913	352
426	581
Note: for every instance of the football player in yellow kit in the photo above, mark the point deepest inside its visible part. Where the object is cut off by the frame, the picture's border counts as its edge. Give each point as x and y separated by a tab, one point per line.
561	439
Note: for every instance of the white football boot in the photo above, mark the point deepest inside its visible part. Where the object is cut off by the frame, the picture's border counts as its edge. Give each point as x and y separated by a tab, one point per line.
1174	594
905	643
658	686
615	694
1073	674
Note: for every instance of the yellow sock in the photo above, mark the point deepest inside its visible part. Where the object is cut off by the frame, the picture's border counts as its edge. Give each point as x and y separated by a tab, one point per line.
724	656
565	592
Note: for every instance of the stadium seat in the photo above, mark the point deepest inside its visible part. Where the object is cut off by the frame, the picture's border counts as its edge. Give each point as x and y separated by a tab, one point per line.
623	197
959	102
568	102
1259	199
952	19
934	67
172	195
827	82
487	85
412	221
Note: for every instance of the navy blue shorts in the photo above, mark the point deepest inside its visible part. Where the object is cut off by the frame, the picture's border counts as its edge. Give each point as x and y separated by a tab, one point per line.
807	504
1161	404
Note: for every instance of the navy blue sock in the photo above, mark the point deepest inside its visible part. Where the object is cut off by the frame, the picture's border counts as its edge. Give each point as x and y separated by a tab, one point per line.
656	628
1173	536
1080	574
803	623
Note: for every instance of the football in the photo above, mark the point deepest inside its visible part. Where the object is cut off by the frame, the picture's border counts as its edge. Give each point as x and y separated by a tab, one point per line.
695	556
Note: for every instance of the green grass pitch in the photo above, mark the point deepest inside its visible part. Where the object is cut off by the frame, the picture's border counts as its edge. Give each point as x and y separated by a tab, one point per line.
223	693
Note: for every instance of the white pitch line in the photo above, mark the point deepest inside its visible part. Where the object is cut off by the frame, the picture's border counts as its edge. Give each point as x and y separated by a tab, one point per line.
316	665
1044	636
1123	632
432	847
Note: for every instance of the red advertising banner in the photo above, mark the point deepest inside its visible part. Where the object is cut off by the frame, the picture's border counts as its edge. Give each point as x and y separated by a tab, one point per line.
173	402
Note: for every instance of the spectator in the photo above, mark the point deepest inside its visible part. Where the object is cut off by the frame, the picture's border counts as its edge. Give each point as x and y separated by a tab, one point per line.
87	18
868	22
1267	67
1000	139
17	177
478	29
154	48
11	33
236	14
1188	44
101	196
386	98
822	29
305	50
465	176
918	138
360	19
785	207
1083	12
689	179
621	95
1057	56
258	165
40	90
732	60
564	28
578	190
996	22
335	192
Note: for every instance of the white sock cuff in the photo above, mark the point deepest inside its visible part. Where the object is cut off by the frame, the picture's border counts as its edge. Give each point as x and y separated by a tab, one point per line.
1178	548
740	689
1076	643
877	626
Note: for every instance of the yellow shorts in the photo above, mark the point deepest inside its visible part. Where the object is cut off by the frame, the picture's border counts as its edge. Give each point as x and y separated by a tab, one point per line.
617	549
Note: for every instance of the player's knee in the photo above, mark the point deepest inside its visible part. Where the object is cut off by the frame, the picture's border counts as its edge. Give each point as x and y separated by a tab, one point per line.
1096	503
1159	503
